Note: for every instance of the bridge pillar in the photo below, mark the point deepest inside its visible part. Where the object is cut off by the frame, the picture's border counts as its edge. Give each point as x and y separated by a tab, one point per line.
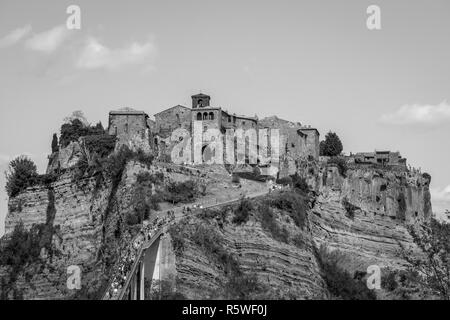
142	281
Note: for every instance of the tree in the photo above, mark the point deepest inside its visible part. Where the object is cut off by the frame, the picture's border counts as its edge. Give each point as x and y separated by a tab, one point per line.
71	132
331	146
55	143
77	115
22	173
431	269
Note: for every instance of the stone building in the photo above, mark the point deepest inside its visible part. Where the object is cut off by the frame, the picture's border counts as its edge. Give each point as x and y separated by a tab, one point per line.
385	158
170	119
312	141
131	128
134	128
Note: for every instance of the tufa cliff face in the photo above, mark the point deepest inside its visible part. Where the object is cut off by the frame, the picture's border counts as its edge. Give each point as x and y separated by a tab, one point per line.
363	213
217	258
88	231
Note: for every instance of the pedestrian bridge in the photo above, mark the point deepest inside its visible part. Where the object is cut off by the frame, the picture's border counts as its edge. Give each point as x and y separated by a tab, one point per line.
154	262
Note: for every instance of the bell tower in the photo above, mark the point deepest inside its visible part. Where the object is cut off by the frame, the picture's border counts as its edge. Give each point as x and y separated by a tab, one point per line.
200	100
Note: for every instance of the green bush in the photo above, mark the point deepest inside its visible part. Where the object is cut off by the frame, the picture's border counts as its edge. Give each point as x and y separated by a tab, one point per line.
75	129
349	208
269	223
54	143
100	144
427	176
331	146
181	192
22	173
243	287
286	181
341	165
339	281
299	183
242	212
401	213
293	203
388	280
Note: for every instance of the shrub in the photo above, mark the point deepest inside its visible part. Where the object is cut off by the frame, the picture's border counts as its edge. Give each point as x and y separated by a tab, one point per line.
22	174
183	192
401	213
21	248
331	146
388	280
55	143
242	287
286	181
269	223
242	212
431	269
341	165
300	184
178	238
75	129
339	281
100	144
349	208
293	203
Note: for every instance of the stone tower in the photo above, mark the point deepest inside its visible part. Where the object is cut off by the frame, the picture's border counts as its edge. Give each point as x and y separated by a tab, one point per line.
200	100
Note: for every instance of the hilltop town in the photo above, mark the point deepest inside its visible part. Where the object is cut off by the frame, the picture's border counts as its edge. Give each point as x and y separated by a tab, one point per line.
296	142
126	221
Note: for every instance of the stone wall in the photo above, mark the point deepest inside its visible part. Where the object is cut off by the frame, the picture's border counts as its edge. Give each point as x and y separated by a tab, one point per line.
128	124
312	142
171	119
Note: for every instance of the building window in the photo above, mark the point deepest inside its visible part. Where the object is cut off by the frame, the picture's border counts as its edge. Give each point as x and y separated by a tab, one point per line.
126	127
199	116
200	103
211	116
229	119
178	118
205	116
243	123
205	128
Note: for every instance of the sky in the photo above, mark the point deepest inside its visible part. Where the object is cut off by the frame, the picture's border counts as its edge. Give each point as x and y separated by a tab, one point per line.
314	62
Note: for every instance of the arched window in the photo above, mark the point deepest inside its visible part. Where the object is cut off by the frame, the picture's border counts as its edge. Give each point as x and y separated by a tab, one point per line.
199	116
200	103
211	116
205	116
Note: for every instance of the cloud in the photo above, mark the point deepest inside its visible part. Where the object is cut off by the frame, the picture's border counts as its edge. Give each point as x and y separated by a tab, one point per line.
15	36
416	114
97	56
48	41
441	194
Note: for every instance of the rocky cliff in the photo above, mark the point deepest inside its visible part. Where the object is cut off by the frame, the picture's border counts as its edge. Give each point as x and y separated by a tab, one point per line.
362	213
